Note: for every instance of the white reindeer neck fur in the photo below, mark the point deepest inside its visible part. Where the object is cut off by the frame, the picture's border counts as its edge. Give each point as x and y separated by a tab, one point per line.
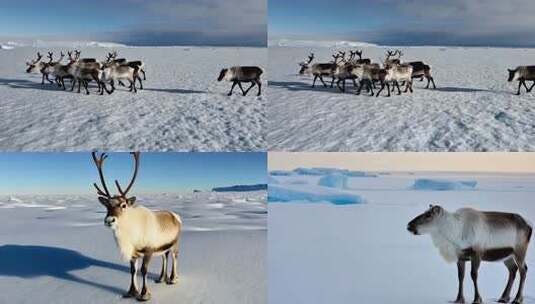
137	228
231	74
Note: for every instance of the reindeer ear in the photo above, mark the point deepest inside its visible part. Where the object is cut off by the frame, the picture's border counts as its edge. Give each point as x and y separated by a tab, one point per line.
510	70
436	209
131	201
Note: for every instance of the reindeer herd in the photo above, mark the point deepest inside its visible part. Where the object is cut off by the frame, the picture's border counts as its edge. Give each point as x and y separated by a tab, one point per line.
82	71
391	74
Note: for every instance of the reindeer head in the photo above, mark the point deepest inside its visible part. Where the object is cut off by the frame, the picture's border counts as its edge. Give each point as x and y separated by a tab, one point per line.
304	65
222	74
359	53
512	74
425	222
33	65
116	205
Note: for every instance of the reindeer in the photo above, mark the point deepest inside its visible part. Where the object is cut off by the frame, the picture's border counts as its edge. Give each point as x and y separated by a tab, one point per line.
112	72
421	70
138	231
368	75
134	64
36	65
239	74
51	66
521	74
305	63
475	236
84	71
395	74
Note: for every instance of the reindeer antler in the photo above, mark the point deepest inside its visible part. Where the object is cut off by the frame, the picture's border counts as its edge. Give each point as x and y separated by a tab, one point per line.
99	162
136	167
50	56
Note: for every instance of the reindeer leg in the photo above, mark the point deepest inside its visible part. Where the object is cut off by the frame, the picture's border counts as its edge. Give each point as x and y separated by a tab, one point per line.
232	88
460	275
475	261
79	84
371	85
50	81
163	275
359	87
132	291
314	82
519	86
85	86
332	82
520	257
382	87
511	266
43	78
252	85
259	84
145	293
531	87
173	279
397	86
321	78
140	82
241	88
144	76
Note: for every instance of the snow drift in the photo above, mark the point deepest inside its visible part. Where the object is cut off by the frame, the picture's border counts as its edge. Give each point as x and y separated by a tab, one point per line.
289	193
442	185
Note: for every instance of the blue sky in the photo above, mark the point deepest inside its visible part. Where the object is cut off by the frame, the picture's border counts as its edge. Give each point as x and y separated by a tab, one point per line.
406	22
138	22
74	173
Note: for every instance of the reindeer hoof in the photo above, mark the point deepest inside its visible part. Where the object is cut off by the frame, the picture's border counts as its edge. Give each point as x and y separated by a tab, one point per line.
518	301
132	293
144	297
503	300
171	281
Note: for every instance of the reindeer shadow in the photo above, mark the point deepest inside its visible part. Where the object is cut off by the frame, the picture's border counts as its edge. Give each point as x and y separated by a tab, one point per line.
26	261
302	86
177	91
461	90
27	84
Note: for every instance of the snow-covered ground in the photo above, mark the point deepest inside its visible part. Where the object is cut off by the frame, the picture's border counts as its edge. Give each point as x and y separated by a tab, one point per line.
322	252
472	109
54	249
183	107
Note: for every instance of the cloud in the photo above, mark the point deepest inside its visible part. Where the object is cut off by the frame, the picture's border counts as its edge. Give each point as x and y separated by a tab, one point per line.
214	22
473	22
